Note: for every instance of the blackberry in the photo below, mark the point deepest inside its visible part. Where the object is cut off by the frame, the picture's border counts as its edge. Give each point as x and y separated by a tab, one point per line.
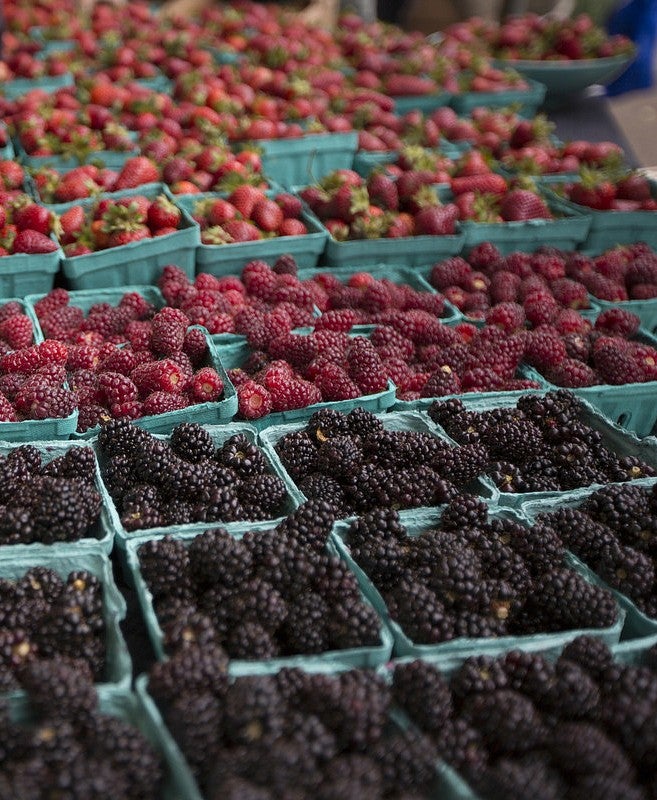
287	765
507	720
474	625
516	439
240	454
559	407
575	695
455	573
306	628
407	760
198	669
371	487
334	581
178	512
580	748
529	673
355	771
141	514
25	457
78	462
40	582
89	777
220	504
478	675
216	557
629	468
463	512
539	547
627	570
326	423
152	460
420	613
353	625
499	562
256	600
118	477
442	411
234	788
59	688
287	566
165	566
16	648
251	641
382	523
363	423
298	454
191	442
462	746
581	534
506	476
310	731
339	455
462	464
383	560
591	653
56	744
607	786
254	710
266	493
529	779
183	480
309	525
323	487
188	628
568	601
622	508
421	690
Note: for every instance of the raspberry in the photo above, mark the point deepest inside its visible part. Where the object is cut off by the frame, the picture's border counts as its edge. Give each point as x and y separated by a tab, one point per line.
604	288
613	265
365	367
299	317
386	335
442	381
204	281
167	334
335	384
550	267
504	287
165	376
62	322
138	334
131	409
293	394
297	349
116	388
570	321
642	270
7	412
10	309
11	383
342	319
643	291
195	345
572	374
517	263
616	364
45	402
450	272
398	370
569	293
480	379
617	322
52	352
238	376
17	331
332	343
82	356
540	307
206	385
259	280
48	375
136	306
290	290
57	298
122	360
508	316
216	323
544	348
577	346
24	361
161	403
484	256
254	401
90	416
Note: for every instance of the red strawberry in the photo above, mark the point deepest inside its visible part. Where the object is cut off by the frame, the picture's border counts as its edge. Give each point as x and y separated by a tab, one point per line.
290	204
292	227
33	217
596	194
33	242
71	222
383	191
241	231
633	187
472	163
244	199
136	172
491	183
436	220
522	204
11	175
220	211
162	213
267	215
404	85
121	237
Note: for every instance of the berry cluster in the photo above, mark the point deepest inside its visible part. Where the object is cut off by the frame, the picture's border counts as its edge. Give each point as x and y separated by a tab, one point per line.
70	744
354	208
116	222
272	593
523	726
541	445
16	331
244	306
25	226
292	734
156	482
414	158
296	370
539	283
354	463
615	191
612	531
626	272
46	616
48	502
473	579
248	215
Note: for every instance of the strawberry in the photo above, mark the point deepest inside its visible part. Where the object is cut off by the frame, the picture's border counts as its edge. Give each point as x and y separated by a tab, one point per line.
523	204
383	191
244	199
71	222
32	216
267	215
530	131
136	172
491	183
472	163
292	227
404	85
11	175
220	211
633	187
162	213
33	242
241	231
290	204
436	220
593	191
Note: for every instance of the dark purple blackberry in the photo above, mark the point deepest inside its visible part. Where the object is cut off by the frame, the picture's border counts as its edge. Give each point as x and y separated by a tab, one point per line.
416	487
40	582
556	408
625	509
515	439
251	641
575	695
305	629
198	669
579	533
371	487
191	442
120	437
184	480
475	625
59	688
422	691
478	675
380	523
627	570
339	455
539	475
499	562
630	468
334	581
407	760
579	748
383	560
254	711
326	488
78	462
539	546
351	772
310	525
264	493
567	601
179	512
529	673
419	613
464	512
220	504
607	786
165	566
498	601
245	458
442	411
507	720
151	461
353	625
289	567
26	457
506	476
529	778
118	477
455	572
230	787
255	599
189	628
591	653
462	746
310	731
298	454
363	423
463	464
326	423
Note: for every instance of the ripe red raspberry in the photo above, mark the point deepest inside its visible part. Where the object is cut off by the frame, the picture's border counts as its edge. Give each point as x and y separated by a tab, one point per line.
205	281
216	323
613	265
25	361
116	388
387	335
122	360
49	374
253	400
10	309
335	384
195	345
297	349
11	383
616	364
17	331
520	385
162	403
52	352
398	371
82	356
577	346
508	316
534	283
643	269
572	374
568	320
45	402
7	412
260	280
154	376
238	376
167	334
441	382
206	386
570	294
333	344
504	287
450	272
342	319
138	334
131	409
517	263
480	379
604	288
540	307
293	394
91	415
643	291
286	264
421	327
365	367
299	317
617	322
62	322
57	298
136	306
544	348
484	256
550	267
183	361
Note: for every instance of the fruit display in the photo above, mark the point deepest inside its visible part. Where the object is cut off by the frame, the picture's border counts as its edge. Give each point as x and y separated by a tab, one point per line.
27	227
542	445
267	595
604	191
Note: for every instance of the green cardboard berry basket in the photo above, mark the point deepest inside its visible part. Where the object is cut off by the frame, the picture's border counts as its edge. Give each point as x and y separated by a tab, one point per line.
137	262
633	651
299	160
392	421
637	623
7	152
366	161
229	259
86	298
426	103
211	413
495	398
610	228
219	434
354	657
101	534
118	666
234	355
119	702
614	437
18	87
459	649
26	273
527	100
